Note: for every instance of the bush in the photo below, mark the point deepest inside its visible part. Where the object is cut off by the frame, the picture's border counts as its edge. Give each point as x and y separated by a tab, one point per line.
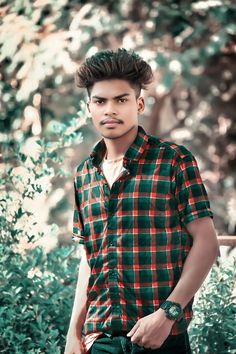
213	330
37	287
37	292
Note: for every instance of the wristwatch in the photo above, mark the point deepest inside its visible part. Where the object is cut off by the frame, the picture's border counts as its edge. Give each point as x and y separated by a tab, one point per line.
173	310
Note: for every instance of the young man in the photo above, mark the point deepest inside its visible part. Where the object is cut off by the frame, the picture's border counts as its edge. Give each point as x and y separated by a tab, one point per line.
143	218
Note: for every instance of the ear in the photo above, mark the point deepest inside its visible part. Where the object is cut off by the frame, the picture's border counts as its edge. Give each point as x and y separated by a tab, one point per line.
141	105
88	104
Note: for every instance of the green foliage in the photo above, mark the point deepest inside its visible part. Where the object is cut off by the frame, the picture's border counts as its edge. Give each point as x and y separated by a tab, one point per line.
37	288
37	291
213	330
30	167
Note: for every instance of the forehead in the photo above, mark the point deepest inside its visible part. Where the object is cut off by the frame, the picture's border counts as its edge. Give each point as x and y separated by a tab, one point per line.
111	88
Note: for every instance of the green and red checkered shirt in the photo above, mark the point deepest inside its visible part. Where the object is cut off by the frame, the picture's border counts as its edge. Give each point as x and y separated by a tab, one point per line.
134	233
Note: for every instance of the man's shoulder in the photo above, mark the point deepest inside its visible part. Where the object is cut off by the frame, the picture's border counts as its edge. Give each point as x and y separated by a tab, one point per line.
170	148
81	174
82	166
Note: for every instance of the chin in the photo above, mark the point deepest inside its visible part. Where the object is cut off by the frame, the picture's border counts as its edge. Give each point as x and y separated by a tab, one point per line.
112	135
115	133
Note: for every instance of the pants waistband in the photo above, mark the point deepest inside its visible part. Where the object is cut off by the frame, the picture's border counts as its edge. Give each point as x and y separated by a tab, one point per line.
114	333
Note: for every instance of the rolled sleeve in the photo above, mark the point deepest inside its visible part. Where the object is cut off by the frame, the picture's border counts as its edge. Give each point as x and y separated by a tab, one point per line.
78	225
192	199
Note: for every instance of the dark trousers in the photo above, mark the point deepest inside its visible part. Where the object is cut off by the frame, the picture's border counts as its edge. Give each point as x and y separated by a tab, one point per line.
120	344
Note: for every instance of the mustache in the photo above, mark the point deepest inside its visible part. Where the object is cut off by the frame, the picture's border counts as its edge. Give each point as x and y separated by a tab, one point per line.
111	118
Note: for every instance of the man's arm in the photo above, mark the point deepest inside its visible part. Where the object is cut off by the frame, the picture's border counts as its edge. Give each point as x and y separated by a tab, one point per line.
152	330
199	261
73	342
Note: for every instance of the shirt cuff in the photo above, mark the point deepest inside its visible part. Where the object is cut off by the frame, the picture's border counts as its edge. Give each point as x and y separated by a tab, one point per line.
197	214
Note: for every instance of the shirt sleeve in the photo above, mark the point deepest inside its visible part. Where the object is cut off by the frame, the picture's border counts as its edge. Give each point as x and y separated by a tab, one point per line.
191	195
78	226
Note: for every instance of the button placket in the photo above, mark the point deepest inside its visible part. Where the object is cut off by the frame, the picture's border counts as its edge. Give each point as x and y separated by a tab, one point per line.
111	197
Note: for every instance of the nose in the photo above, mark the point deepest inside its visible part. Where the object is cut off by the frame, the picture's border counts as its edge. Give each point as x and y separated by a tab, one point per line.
110	109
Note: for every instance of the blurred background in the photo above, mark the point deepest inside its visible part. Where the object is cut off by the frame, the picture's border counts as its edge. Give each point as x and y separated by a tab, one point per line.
45	133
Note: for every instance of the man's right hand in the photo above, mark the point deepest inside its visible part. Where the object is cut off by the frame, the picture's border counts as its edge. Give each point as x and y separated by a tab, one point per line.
74	346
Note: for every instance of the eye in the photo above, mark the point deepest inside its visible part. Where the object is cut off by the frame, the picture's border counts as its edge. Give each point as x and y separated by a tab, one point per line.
99	102
122	100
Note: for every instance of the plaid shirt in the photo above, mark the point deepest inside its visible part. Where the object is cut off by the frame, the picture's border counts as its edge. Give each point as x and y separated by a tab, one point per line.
134	233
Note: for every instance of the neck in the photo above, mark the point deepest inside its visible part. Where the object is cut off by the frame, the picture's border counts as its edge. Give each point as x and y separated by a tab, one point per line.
118	147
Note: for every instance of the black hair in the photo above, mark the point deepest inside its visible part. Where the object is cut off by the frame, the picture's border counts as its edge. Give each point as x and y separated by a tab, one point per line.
119	64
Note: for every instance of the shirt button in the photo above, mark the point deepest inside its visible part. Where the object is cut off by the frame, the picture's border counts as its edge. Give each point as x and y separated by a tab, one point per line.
116	307
112	273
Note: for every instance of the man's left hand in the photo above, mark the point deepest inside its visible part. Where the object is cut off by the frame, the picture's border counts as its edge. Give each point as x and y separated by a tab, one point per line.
151	331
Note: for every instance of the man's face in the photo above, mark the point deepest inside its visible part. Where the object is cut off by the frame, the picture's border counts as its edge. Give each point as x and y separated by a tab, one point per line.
114	108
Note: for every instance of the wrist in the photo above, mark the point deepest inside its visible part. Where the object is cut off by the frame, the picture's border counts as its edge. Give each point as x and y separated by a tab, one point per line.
173	310
161	318
166	319
73	331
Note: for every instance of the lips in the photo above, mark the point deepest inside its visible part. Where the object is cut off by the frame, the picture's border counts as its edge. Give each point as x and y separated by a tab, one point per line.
111	121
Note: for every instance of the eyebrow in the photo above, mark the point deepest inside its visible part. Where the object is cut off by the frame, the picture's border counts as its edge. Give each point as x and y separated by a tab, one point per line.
115	98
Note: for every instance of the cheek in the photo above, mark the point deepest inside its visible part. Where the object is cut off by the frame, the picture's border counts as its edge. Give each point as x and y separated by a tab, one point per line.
130	109
92	109
134	111
95	112
95	120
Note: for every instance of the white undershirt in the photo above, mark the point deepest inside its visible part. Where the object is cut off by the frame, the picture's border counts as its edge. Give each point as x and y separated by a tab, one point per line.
112	169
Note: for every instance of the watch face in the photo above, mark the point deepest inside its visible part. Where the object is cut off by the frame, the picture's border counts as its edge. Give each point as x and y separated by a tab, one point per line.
174	311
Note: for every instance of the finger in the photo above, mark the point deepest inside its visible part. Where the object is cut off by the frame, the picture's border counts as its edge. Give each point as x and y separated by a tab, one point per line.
137	337
137	340
133	330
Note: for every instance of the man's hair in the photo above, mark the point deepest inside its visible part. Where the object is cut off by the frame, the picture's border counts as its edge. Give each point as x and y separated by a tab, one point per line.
119	64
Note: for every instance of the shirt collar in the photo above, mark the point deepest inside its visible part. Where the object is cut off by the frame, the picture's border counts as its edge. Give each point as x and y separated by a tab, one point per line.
133	153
